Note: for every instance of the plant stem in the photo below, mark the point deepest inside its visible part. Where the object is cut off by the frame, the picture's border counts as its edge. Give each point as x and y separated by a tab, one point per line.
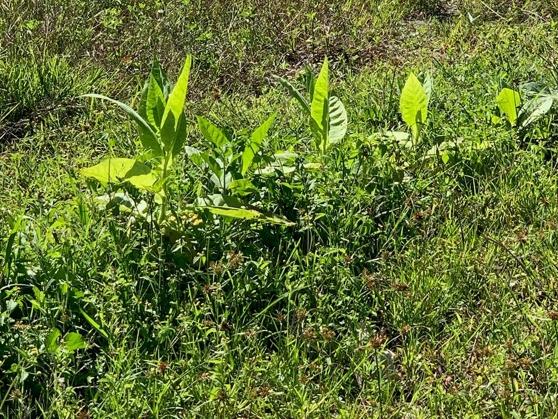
163	212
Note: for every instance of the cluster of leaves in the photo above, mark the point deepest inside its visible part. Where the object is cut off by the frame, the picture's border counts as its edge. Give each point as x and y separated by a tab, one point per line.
354	197
163	130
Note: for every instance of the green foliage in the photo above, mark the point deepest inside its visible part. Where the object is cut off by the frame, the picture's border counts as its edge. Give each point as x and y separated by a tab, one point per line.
540	103
535	109
508	101
413	104
162	130
118	170
253	145
416	278
70	343
33	88
229	169
327	115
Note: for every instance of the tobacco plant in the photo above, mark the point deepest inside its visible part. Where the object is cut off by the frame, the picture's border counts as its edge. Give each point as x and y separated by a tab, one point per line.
326	113
230	163
413	104
162	131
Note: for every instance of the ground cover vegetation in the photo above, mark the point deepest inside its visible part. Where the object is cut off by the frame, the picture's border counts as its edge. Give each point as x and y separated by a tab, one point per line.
285	209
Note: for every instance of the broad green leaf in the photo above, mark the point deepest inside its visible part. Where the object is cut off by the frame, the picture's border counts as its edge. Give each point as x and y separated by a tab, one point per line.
177	98
413	104
155	103
158	76
173	136
337	120
168	133
319	110
162	80
73	341
535	109
51	342
215	165
180	138
256	140
508	101
147	135
212	132
294	94
118	170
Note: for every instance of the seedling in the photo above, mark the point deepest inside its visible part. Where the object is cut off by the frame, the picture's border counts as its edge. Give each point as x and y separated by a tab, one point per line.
326	113
413	104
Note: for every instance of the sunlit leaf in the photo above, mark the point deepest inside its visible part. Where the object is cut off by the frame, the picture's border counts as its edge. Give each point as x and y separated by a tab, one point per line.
338	120
212	132
508	101
319	109
155	103
147	135
255	142
177	98
413	104
74	341
162	81
119	170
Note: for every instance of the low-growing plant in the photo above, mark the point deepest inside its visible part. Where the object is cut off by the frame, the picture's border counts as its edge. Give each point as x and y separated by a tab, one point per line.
230	162
540	101
413	104
326	113
162	130
524	108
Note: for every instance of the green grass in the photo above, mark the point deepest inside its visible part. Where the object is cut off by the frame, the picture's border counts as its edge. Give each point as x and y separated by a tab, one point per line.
408	288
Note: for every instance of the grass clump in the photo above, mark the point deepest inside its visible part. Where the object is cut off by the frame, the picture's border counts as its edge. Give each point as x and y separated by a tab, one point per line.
34	89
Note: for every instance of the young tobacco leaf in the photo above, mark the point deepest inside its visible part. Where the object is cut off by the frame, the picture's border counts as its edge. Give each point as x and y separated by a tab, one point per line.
413	105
